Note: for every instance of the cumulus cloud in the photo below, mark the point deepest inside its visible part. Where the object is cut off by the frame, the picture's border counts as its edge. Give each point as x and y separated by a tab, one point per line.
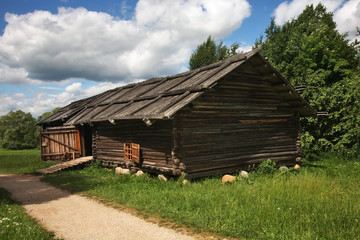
288	10
77	43
346	13
15	76
45	99
348	18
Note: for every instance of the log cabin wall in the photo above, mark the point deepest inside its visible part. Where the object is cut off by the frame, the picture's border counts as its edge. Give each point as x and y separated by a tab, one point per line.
238	123
155	144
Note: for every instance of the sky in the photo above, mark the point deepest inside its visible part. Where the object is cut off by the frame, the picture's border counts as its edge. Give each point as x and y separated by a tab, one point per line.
53	52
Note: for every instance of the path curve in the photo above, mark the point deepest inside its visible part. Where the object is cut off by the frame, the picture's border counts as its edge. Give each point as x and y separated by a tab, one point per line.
76	217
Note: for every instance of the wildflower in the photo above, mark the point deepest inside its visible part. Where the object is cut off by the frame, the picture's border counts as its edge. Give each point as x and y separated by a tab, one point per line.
278	209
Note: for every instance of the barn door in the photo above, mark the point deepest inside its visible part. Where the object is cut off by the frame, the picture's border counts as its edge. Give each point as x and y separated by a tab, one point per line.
60	143
132	152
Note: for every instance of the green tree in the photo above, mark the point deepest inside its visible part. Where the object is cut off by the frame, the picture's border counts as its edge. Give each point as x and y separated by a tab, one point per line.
18	131
209	52
310	51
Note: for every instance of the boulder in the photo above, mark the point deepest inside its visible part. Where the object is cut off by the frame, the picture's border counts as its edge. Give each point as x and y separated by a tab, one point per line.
162	177
283	168
297	166
244	174
125	171
139	173
228	178
118	170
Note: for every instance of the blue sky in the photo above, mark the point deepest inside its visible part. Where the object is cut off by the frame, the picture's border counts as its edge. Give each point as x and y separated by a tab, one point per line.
53	52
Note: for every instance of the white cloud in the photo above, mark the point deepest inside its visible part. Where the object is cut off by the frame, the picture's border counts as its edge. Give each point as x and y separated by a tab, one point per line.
77	43
348	18
288	10
346	13
15	76
46	99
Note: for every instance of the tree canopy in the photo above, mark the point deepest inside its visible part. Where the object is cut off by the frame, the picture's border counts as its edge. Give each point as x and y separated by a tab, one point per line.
209	52
310	51
18	131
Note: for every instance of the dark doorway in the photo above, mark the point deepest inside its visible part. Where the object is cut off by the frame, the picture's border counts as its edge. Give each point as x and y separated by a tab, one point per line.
87	140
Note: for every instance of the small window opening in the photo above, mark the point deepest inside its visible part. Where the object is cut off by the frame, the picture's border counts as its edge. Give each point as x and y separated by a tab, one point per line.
132	152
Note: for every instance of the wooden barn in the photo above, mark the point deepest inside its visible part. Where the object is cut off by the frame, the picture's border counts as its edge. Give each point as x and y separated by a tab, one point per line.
217	119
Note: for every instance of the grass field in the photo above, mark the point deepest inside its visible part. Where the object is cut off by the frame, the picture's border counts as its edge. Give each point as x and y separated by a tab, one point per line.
16	224
21	161
320	201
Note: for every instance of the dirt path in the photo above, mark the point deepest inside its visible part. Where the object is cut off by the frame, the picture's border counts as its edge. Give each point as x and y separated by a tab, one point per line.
76	217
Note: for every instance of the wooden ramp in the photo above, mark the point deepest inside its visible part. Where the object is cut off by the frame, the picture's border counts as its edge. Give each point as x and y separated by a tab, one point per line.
66	165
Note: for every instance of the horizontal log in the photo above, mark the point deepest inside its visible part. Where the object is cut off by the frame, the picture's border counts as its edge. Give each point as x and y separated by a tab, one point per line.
231	157
238	150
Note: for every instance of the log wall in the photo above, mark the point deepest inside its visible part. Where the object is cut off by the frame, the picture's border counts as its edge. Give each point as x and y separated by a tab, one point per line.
155	144
238	123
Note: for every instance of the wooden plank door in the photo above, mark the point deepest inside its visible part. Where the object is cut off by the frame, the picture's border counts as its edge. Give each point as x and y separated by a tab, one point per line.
60	143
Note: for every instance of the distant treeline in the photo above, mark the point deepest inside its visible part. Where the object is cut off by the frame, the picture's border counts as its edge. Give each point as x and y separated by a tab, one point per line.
18	130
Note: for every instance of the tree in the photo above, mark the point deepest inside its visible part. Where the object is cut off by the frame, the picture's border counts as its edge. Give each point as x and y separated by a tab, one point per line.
310	51
209	52
18	131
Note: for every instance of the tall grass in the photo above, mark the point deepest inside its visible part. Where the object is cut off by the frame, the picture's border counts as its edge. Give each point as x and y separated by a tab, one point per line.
15	224
320	201
21	161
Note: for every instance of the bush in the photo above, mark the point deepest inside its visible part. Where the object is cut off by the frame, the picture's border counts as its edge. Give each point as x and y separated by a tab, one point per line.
266	167
18	130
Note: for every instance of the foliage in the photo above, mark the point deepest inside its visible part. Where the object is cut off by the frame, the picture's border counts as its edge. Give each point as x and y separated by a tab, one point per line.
21	161
310	51
209	52
15	223
18	131
266	167
321	195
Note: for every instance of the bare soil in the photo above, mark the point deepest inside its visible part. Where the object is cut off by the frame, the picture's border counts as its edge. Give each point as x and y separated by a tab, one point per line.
77	217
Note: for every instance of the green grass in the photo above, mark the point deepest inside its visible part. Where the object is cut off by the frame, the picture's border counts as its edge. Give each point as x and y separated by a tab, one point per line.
21	161
15	224
320	201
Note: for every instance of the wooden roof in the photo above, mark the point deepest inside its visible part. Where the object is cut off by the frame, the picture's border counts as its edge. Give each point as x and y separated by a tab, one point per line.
161	98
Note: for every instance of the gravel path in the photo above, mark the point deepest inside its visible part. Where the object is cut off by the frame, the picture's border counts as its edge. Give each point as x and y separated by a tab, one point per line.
76	217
